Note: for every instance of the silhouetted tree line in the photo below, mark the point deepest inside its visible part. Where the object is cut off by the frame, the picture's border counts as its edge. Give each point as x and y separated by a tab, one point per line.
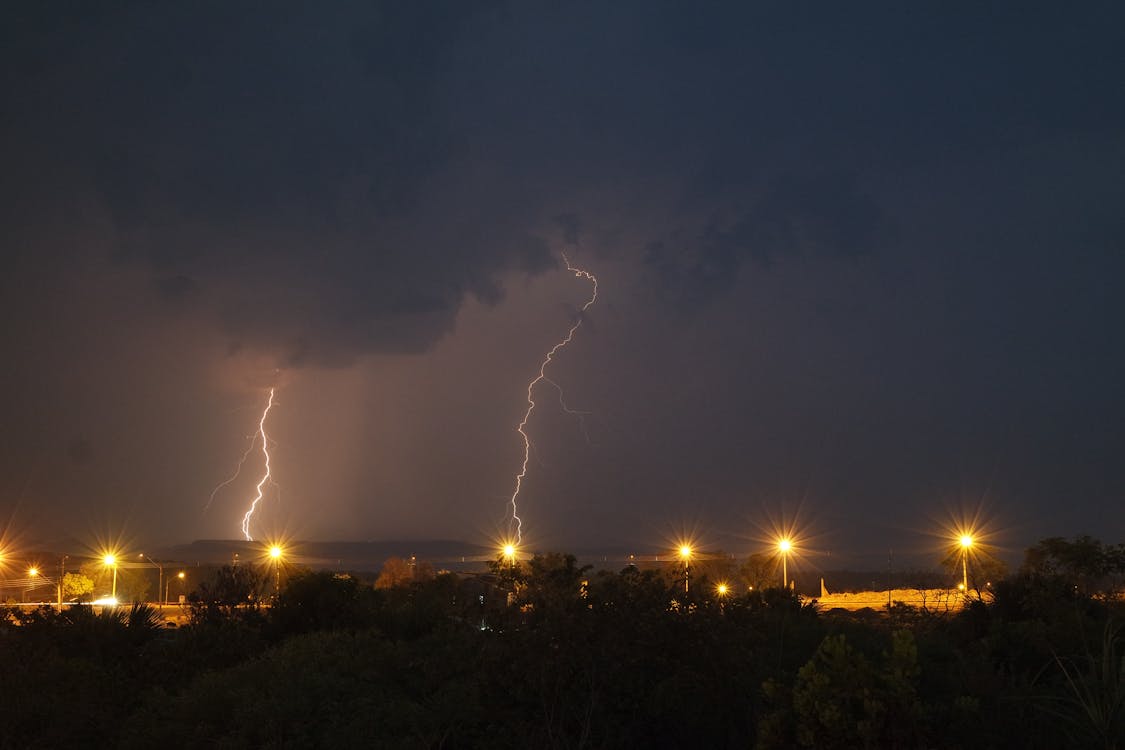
551	654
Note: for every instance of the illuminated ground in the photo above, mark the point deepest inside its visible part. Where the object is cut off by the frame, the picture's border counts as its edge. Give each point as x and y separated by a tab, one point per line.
932	600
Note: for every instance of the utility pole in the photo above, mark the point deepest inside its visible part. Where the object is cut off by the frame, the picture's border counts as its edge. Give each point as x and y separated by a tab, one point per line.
160	579
62	575
890	558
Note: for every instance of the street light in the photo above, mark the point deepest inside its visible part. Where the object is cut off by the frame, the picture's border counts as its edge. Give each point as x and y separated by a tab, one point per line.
276	552
179	575
966	545
784	545
110	560
685	555
160	580
508	553
32	574
62	576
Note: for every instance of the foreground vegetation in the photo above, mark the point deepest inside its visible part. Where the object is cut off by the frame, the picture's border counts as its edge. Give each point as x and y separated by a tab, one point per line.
547	654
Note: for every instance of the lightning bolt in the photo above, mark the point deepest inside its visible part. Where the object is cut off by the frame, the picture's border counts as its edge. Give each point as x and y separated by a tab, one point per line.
576	413
265	477
516	523
234	476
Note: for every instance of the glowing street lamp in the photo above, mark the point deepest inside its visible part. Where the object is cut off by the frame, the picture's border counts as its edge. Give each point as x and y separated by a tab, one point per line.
168	585
685	556
3	559
966	545
110	560
276	552
508	553
32	574
722	589
784	545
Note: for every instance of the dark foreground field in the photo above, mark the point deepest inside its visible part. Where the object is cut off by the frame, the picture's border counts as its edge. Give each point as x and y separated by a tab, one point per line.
546	654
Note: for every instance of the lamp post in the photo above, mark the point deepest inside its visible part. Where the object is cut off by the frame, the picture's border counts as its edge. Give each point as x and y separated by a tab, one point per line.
783	546
160	579
32	574
110	560
62	575
276	553
167	586
685	556
966	545
508	553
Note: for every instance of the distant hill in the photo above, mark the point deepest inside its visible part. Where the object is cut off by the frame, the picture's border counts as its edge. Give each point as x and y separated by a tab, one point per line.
344	555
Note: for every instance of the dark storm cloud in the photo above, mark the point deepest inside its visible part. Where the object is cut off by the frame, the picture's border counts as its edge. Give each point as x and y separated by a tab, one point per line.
571	225
822	215
176	289
335	181
274	165
882	241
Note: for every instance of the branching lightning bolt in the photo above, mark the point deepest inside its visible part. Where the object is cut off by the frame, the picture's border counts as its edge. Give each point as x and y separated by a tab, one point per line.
516	523
234	476
576	413
265	477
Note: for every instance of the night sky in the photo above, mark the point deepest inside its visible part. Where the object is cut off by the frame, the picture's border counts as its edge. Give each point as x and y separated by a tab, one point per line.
863	262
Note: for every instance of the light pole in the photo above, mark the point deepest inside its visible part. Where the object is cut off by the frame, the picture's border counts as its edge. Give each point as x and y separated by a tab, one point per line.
160	579
62	575
110	559
32	574
508	553
685	556
179	575
966	545
275	553
783	546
